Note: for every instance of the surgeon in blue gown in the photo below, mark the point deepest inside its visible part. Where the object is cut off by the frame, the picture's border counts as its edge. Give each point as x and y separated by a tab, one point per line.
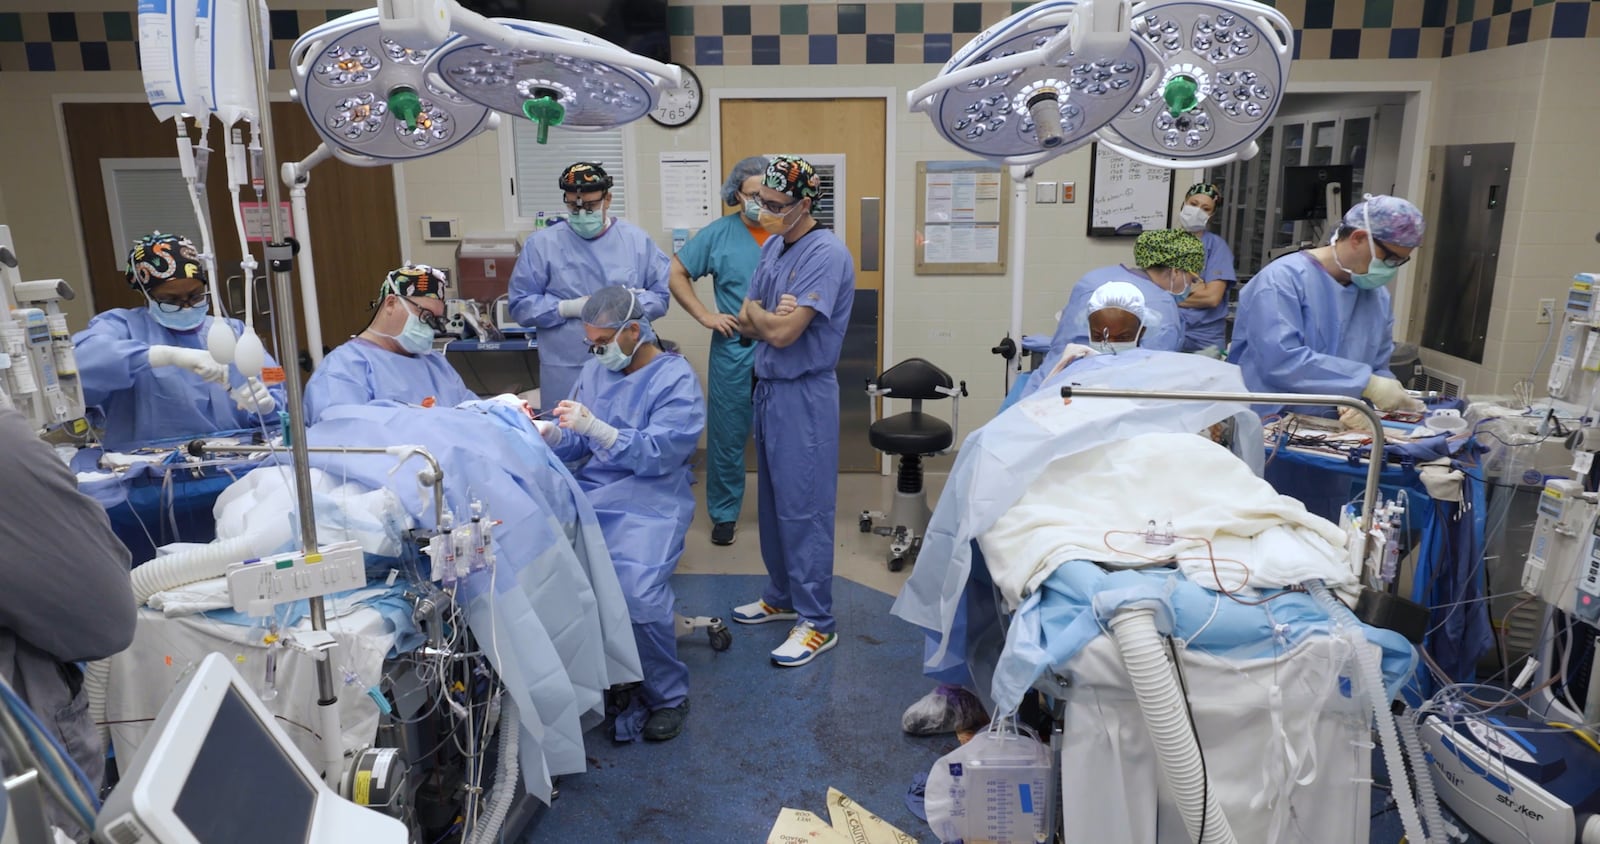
727	250
1167	263
798	309
146	373
1320	321
630	430
393	359
1205	312
562	265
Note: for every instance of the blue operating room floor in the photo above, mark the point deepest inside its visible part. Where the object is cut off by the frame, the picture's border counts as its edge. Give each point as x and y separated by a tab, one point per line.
760	738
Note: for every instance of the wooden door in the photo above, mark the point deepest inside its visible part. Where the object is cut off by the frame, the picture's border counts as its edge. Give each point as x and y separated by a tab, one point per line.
851	131
351	210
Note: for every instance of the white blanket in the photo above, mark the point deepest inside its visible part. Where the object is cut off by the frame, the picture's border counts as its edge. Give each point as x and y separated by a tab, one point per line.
1095	505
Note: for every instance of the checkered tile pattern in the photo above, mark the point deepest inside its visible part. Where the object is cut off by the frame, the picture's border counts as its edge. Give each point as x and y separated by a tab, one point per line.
91	41
883	32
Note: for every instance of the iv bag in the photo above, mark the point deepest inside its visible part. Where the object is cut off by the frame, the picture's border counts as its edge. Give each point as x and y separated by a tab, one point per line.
223	63
166	56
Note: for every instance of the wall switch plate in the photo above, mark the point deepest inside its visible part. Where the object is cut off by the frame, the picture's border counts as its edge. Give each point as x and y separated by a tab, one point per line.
1069	194
1044	193
1547	311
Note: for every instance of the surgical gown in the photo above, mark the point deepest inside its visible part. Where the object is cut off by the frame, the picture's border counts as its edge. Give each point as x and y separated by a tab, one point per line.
1206	328
1300	331
726	250
1163	331
361	371
797	421
557	264
640	489
137	403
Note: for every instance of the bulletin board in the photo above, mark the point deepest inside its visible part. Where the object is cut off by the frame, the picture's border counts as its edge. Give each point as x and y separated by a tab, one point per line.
962	218
1125	196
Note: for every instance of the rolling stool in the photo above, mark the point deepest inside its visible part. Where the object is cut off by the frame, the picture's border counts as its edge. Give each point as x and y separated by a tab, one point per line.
910	436
716	630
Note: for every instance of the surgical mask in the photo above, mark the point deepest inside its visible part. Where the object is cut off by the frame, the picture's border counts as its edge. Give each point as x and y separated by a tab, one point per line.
587	224
1116	348
611	355
1378	273
416	338
1193	219
752	211
187	319
1188	286
775	223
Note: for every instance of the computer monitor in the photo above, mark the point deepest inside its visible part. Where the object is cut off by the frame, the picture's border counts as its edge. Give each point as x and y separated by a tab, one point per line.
217	769
1305	190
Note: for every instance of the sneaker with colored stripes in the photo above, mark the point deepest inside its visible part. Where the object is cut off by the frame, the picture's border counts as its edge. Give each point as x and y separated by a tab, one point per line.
761	612
803	645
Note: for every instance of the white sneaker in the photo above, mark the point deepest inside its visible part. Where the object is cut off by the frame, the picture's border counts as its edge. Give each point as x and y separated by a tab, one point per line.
761	612
803	645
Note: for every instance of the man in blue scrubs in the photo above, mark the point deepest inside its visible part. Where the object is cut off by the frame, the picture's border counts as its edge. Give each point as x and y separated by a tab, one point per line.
630	430
1319	320
393	359
798	309
727	250
560	266
146	372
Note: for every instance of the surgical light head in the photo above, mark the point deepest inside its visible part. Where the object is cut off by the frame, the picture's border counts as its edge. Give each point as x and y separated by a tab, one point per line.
1220	66
369	96
1170	84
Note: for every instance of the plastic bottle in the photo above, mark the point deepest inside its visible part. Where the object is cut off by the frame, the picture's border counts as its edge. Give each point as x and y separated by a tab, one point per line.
538	221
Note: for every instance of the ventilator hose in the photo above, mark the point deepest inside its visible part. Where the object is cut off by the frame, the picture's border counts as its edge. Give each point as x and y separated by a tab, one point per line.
1378	699
159	575
1167	717
505	782
1427	798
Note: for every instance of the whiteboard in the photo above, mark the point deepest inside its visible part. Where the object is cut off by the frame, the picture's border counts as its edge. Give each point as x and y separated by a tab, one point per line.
1127	197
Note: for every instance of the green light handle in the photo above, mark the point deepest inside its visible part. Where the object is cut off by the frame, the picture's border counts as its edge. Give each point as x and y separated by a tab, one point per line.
546	112
405	105
1181	94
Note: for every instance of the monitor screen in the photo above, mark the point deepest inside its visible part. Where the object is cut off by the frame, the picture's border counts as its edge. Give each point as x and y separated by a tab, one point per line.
1305	194
497	372
639	26
243	788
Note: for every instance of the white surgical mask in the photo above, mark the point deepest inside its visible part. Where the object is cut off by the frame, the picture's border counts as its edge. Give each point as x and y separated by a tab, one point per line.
1116	348
1193	219
611	355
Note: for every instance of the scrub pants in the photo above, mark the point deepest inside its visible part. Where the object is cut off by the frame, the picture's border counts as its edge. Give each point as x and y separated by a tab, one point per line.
727	426
646	582
797	447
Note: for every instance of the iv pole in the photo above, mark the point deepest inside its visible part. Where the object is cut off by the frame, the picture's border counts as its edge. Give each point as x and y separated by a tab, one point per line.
280	257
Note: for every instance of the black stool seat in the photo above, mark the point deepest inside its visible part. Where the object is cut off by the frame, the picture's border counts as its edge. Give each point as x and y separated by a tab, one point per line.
910	433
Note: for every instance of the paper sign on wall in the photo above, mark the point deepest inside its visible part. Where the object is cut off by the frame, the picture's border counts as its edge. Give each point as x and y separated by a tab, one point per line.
686	190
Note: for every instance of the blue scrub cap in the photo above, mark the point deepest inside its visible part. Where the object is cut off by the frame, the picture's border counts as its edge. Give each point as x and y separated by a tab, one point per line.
614	307
1389	219
755	165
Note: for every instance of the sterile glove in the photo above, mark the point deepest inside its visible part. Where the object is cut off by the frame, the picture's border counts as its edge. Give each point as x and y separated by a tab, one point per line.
1354	420
198	361
549	431
571	308
578	419
254	398
786	305
1072	352
1387	394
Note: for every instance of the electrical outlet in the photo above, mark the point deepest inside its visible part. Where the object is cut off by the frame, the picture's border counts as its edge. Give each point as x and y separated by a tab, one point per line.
1547	311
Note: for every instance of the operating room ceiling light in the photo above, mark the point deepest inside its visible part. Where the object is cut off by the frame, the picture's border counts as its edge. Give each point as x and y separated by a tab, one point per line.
1183	83
1224	67
371	96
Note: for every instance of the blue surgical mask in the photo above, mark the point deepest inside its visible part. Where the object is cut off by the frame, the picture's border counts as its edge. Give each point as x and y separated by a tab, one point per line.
187	319
752	211
416	338
1378	273
612	356
587	224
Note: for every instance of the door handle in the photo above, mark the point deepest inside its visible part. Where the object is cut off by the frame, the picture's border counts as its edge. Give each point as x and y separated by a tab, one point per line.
871	244
263	295
234	288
